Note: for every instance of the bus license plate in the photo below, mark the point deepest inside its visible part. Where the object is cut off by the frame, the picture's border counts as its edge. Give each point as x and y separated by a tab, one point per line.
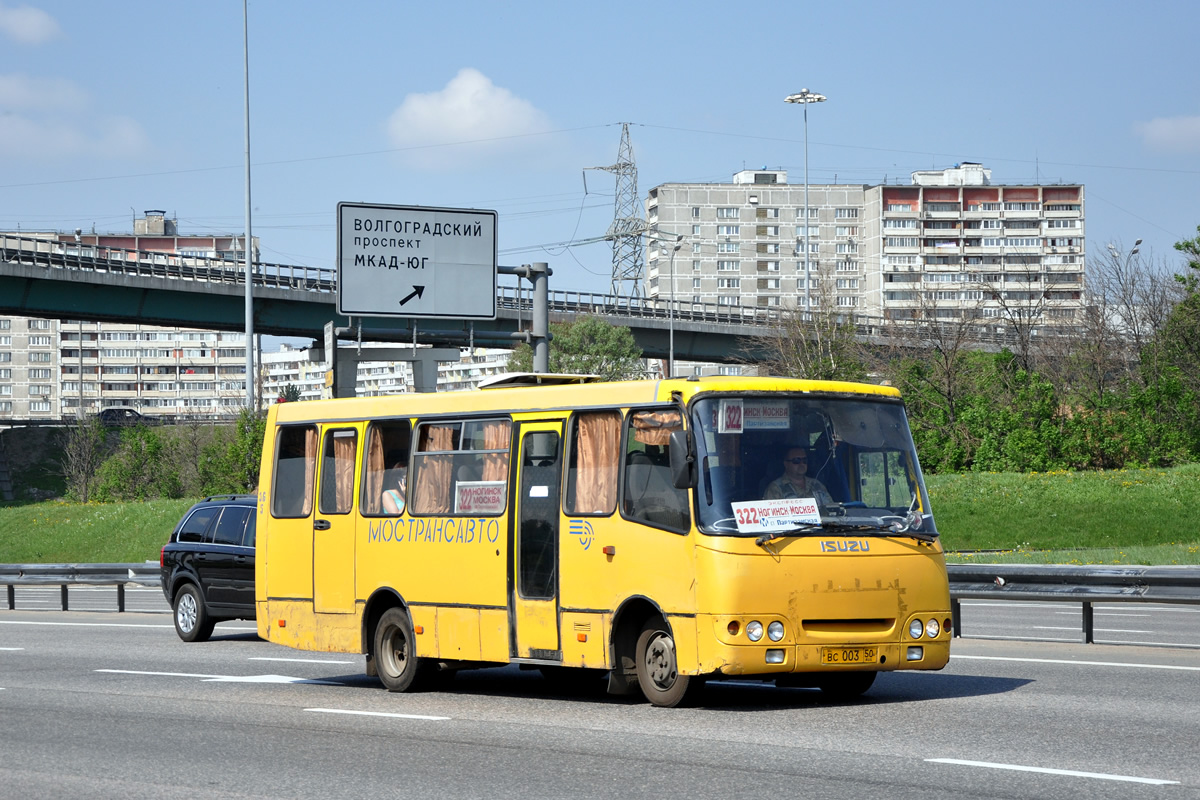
849	655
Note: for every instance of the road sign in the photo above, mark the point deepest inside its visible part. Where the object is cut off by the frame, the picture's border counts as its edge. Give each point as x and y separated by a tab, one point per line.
414	261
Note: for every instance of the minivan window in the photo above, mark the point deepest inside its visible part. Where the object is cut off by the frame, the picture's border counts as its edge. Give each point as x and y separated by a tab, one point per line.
195	525
231	527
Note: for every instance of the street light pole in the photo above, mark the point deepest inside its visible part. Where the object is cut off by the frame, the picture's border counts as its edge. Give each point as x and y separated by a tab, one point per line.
671	310
251	396
804	97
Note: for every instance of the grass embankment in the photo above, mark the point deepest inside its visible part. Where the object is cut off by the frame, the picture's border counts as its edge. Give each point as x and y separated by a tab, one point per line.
1118	517
1115	517
56	532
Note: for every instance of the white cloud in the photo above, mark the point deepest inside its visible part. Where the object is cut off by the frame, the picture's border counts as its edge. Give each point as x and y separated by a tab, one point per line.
44	118
21	91
27	25
479	118
1171	134
113	137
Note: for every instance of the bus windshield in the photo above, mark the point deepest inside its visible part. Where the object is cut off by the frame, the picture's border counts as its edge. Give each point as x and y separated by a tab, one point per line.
778	464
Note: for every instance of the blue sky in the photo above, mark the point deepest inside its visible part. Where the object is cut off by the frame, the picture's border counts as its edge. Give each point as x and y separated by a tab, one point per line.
111	108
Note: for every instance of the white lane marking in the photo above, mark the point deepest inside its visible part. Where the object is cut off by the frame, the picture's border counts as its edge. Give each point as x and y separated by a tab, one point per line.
1175	645
300	660
1095	630
374	714
1159	608
1023	638
1012	605
1077	663
1075	613
1052	628
1048	771
84	624
223	627
12	648
223	678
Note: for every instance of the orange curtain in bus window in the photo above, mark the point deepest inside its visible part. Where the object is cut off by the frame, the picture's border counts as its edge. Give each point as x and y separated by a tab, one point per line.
310	467
496	436
432	494
373	480
654	427
343	459
596	463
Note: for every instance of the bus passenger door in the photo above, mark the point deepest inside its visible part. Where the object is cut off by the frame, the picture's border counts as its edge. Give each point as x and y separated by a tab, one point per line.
333	525
533	568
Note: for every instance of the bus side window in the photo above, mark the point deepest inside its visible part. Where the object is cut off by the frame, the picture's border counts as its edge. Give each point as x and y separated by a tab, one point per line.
295	467
592	469
461	467
649	494
337	471
385	461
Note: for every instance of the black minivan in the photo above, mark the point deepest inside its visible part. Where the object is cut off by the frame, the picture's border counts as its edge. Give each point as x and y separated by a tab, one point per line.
208	565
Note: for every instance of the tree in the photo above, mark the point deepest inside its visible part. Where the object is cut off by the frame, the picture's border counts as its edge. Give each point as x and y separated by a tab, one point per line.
588	345
1180	341
819	344
141	468
232	466
289	394
83	451
926	357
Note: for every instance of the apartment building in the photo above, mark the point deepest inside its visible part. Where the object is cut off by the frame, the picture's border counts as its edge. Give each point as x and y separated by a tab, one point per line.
290	366
51	368
948	245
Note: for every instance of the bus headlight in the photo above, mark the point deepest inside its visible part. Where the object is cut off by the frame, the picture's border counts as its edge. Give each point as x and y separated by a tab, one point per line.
932	629
754	630
916	628
775	631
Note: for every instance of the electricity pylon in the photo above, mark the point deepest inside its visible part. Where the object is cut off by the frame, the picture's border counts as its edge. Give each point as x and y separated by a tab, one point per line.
628	225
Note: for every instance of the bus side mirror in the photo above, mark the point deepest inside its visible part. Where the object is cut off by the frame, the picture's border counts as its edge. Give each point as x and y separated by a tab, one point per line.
683	462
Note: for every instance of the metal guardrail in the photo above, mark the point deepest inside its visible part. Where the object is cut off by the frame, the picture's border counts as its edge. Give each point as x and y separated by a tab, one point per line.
66	575
1045	582
1068	583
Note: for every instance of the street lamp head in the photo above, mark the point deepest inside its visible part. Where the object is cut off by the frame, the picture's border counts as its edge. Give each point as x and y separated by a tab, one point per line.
804	96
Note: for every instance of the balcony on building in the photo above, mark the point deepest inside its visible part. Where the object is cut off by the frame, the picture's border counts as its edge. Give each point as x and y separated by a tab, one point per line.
981	202
940	246
901	202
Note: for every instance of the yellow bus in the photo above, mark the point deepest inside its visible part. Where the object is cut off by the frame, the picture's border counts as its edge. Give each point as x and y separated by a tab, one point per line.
665	532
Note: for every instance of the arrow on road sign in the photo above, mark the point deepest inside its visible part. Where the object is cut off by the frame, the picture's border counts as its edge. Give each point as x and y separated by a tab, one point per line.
416	292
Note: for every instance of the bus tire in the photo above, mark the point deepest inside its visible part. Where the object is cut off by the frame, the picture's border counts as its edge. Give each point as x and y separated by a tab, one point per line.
396	660
658	668
846	685
192	622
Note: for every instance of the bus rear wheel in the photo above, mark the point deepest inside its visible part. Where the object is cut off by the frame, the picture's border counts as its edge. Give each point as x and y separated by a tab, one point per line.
396	652
658	669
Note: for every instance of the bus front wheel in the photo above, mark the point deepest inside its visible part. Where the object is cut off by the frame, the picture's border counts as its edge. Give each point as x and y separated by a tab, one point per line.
396	651
657	667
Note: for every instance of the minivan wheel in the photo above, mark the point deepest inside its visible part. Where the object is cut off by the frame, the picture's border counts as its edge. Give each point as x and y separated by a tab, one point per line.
192	621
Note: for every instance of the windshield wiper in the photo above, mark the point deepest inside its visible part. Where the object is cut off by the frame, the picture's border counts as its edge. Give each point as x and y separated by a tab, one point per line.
877	527
803	530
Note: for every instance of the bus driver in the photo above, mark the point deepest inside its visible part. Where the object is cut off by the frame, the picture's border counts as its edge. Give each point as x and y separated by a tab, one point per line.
794	482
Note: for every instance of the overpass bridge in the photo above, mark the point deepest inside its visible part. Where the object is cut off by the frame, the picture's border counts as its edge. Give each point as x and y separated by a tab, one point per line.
45	278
